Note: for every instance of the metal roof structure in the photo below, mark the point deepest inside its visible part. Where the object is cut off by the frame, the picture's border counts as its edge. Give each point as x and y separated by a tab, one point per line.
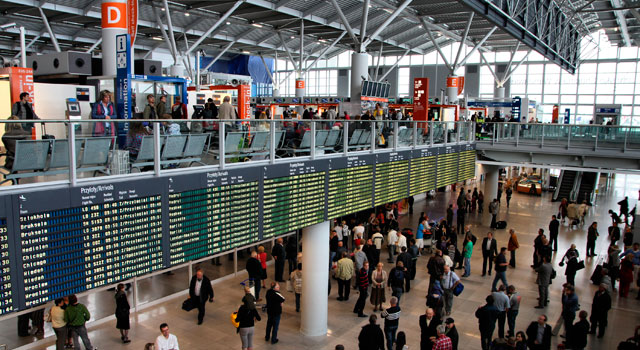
552	27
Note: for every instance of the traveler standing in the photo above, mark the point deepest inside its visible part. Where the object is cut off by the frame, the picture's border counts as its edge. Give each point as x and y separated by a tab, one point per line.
494	208
626	275
102	109
466	253
362	281
501	269
166	340
274	311
489	252
599	310
344	273
428	324
279	256
254	269
554	227
624	207
514	308
441	342
544	279
391	320
76	316
449	282
569	308
487	316
512	246
613	264
452	333
502	303
571	259
592	236
539	334
509	192
371	336
262	256
378	283
200	291
56	317
291	251
392	240
246	318
577	333
537	244
296	281
122	313
396	280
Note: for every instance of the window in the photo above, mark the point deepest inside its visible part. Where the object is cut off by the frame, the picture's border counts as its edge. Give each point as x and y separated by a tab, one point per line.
403	81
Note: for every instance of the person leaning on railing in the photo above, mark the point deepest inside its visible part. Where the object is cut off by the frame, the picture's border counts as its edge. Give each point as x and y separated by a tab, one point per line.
134	138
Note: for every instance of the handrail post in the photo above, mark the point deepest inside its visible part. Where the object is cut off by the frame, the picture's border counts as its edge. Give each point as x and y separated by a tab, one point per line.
542	137
345	138
156	148
373	137
595	146
414	126
312	145
430	126
445	133
626	136
135	293
395	135
569	138
458	127
221	138
517	135
272	146
73	174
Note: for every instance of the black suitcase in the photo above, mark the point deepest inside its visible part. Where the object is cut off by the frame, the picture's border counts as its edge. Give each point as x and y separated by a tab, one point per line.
501	225
46	136
596	277
23	325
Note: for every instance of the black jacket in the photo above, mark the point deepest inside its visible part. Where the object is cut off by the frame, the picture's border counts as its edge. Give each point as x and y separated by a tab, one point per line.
532	334
406	260
206	291
246	317
429	331
577	335
554	226
601	305
371	338
278	252
254	268
274	302
493	250
452	333
487	316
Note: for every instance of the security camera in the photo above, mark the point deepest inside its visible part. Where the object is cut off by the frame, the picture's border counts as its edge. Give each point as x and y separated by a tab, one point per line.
363	77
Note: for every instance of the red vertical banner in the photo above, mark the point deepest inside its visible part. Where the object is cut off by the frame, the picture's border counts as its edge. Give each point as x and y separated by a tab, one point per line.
460	85
420	98
244	99
132	19
20	80
555	114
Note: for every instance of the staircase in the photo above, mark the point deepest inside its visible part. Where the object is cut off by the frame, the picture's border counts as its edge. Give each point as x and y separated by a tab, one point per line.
568	177
587	185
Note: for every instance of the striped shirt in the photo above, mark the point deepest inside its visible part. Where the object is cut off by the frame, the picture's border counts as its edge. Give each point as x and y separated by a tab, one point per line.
363	278
391	316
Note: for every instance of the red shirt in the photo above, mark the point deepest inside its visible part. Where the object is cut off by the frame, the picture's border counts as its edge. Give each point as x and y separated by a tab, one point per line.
263	260
442	343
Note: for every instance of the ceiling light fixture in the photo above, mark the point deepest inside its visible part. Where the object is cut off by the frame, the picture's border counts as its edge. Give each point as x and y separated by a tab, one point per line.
187	14
157	38
228	23
292	37
257	25
162	8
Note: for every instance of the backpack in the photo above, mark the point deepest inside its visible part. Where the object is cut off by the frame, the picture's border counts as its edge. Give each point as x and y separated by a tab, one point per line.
398	276
176	112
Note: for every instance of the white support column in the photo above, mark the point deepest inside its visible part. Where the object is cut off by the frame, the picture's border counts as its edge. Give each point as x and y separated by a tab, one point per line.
315	259
111	14
53	38
359	69
490	182
23	49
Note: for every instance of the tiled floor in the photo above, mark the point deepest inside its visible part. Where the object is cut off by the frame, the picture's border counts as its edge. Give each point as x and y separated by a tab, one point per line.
525	215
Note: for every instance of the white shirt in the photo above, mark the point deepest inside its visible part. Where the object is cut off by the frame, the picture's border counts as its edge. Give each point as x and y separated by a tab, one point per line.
377	239
170	343
392	237
359	229
338	230
449	279
345	230
489	244
447	260
198	286
402	241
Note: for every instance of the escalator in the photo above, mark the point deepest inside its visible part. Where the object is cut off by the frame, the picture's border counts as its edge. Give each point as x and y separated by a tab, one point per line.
566	185
587	186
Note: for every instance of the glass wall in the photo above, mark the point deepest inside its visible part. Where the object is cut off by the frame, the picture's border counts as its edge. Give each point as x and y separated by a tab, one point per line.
607	75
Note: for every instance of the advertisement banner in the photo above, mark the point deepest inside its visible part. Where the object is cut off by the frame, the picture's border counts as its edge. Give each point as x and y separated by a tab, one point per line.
21	80
244	100
420	98
132	19
123	85
114	15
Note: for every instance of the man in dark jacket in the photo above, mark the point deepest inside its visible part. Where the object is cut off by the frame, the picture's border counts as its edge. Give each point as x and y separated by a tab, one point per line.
554	227
577	334
362	282
274	311
539	334
279	255
489	251
537	244
200	291
407	262
450	215
592	236
254	269
599	310
569	307
396	279
371	336
487	316
428	323
452	333
391	320
435	267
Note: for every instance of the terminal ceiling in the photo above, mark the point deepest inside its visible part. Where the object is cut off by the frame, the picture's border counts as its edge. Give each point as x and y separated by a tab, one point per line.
266	26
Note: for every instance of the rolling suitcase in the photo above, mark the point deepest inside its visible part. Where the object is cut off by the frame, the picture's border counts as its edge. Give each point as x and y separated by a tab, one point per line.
501	225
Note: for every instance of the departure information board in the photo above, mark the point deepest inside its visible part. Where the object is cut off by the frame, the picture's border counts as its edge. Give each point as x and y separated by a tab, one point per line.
295	200
423	172
58	240
392	177
466	165
447	167
70	250
220	217
351	187
6	298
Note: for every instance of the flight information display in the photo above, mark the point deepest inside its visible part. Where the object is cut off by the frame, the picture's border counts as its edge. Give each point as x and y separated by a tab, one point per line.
447	167
392	177
423	172
70	250
350	188
466	165
59	240
206	221
6	298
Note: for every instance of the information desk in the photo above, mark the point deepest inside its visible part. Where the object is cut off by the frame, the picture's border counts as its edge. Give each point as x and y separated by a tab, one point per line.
61	240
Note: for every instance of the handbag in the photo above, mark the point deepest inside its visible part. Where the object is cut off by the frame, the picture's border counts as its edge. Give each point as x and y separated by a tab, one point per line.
458	289
234	319
289	286
580	265
187	305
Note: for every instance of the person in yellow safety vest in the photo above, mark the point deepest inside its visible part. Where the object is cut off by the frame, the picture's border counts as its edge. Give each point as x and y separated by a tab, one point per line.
479	124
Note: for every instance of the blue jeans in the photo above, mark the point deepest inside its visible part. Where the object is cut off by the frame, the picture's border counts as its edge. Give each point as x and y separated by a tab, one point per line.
390	334
273	322
332	255
467	266
397	292
500	275
511	320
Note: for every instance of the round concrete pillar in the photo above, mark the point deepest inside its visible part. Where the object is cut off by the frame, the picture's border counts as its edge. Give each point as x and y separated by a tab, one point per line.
315	259
490	182
452	89
359	69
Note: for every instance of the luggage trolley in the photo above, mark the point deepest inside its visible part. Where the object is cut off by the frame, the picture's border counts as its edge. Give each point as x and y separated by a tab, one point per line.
251	284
